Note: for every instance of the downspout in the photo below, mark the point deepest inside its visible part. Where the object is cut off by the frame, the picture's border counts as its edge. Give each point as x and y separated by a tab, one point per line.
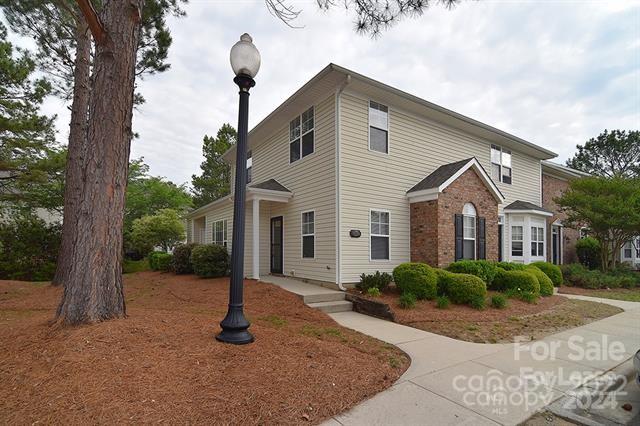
339	91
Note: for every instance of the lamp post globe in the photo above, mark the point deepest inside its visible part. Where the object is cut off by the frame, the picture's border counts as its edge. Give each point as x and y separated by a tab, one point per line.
245	62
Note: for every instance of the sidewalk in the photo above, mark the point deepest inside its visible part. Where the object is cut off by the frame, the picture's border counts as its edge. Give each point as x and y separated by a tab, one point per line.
451	382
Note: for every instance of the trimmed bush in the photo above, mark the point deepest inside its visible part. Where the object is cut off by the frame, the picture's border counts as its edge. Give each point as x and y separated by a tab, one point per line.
468	290
483	269
443	281
164	261
210	261
518	281
407	301
546	286
378	280
442	302
552	271
417	279
153	260
182	258
498	301
373	292
588	251
511	266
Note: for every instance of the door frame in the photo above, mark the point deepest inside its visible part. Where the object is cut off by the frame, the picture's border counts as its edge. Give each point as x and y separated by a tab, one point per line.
556	242
272	219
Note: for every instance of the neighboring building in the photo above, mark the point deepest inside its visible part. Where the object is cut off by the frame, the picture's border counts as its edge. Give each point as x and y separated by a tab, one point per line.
350	175
49	216
630	253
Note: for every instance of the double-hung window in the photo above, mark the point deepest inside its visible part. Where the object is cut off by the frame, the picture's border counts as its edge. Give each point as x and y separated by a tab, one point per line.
249	166
469	231
220	233
301	136
308	235
379	231
517	239
378	127
627	250
500	164
537	241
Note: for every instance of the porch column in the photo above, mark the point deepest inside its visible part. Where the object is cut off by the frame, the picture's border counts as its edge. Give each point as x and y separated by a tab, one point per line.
256	239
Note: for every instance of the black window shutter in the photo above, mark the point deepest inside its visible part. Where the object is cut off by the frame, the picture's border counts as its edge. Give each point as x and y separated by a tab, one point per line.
482	241
458	234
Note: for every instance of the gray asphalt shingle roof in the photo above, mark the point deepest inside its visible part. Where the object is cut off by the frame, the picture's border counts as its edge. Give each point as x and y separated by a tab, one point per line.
439	175
525	205
271	185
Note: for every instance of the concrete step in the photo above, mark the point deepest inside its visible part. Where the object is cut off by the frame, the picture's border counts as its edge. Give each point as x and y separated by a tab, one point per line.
324	296
333	306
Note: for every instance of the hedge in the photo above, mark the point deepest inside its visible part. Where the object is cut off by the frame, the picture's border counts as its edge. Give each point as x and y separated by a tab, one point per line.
511	266
418	279
182	258
467	289
553	271
546	285
210	261
518	281
160	261
480	268
578	275
443	281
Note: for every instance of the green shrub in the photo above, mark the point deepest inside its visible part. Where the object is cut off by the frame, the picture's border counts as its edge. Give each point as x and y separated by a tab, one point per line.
483	269
442	302
570	271
417	279
182	258
378	280
373	292
498	301
407	301
468	290
511	266
579	276
444	277
588	251
163	262
153	260
210	261
552	271
519	281
546	286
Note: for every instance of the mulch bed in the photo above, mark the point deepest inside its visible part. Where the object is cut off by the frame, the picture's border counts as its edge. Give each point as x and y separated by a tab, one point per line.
521	320
162	364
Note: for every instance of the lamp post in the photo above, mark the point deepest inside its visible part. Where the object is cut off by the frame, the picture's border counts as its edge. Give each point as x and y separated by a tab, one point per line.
245	61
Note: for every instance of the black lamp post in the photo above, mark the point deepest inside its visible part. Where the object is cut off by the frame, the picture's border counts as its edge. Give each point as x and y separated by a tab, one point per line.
245	61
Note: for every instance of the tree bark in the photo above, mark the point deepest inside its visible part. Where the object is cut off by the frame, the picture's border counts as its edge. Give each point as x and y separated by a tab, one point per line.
93	291
75	149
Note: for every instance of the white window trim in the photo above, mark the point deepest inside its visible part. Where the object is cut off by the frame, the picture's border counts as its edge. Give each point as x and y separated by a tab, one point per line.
628	245
386	154
521	225
224	234
302	235
475	231
501	165
301	135
379	235
538	241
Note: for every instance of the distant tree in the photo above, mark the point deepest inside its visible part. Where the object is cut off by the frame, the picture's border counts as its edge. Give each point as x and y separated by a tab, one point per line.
610	154
215	178
609	207
164	229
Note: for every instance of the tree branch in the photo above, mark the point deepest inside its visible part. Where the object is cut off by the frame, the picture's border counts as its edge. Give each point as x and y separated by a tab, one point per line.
93	20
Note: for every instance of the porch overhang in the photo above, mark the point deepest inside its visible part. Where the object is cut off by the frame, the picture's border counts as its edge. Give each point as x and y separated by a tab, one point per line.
523	207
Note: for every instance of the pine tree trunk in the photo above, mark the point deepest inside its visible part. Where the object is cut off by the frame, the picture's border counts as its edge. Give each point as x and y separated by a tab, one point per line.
93	291
75	150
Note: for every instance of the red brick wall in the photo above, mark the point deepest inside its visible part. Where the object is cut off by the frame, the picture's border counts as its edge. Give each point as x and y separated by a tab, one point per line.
440	250
553	187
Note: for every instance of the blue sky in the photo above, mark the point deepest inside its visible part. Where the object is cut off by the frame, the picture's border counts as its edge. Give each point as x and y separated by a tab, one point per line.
552	72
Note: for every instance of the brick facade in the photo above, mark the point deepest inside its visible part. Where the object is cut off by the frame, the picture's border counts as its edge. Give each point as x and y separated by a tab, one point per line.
553	187
432	222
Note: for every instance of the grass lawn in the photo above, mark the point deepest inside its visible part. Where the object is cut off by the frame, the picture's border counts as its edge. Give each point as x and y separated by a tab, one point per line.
130	266
162	363
519	319
630	295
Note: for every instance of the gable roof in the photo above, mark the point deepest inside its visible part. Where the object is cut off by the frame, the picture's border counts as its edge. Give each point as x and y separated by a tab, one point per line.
445	175
520	206
270	185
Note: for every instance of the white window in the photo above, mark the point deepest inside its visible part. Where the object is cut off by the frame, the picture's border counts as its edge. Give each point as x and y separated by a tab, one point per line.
627	250
220	233
517	236
537	241
301	141
469	231
249	166
638	247
584	232
308	235
378	127
500	164
379	234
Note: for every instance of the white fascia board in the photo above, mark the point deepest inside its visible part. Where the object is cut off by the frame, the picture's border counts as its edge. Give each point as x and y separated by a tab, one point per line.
424	195
536	212
268	195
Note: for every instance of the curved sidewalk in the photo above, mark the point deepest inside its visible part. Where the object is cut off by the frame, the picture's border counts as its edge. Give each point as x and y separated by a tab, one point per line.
451	382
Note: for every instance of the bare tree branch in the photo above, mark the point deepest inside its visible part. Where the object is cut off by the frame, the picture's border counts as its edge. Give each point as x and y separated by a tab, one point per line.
283	11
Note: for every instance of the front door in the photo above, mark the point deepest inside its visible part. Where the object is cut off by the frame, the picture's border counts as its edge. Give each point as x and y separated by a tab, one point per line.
276	245
555	244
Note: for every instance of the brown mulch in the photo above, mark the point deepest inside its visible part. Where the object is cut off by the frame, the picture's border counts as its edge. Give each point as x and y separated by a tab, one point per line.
518	320
162	363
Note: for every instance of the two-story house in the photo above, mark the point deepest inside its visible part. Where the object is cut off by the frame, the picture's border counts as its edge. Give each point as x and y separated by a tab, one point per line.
350	175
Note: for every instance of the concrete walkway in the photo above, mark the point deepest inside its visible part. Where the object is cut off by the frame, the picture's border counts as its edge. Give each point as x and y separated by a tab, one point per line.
451	382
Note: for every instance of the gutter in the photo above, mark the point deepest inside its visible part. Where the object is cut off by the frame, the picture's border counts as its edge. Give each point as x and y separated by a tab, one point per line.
339	91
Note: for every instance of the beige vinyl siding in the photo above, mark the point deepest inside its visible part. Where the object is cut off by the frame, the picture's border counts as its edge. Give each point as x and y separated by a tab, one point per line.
372	180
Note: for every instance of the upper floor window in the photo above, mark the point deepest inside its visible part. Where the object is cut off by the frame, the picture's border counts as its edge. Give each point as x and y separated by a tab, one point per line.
308	235
301	132
537	241
379	234
469	231
500	164
249	166
220	233
378	127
